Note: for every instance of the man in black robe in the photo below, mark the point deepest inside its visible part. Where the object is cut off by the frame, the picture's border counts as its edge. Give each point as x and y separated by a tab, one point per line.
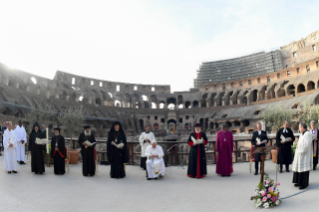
197	167
117	153
58	152
37	160
315	138
87	151
284	154
259	139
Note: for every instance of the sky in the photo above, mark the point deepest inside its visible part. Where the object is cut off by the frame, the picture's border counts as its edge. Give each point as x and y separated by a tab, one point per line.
160	42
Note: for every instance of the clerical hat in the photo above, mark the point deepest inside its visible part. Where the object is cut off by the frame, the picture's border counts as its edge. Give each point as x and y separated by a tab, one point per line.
197	125
86	126
57	128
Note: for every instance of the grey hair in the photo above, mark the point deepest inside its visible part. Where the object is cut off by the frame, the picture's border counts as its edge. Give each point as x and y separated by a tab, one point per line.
286	121
312	122
43	125
259	123
9	122
303	125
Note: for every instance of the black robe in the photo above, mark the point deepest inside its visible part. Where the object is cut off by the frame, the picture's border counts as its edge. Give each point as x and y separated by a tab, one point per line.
315	158
197	156
37	158
262	137
284	154
60	155
87	154
117	157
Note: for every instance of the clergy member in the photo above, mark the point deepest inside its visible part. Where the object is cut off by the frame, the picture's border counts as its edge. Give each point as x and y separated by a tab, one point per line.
155	163
21	136
10	155
145	140
87	151
117	153
58	152
224	151
37	160
284	140
303	158
315	138
197	156
259	139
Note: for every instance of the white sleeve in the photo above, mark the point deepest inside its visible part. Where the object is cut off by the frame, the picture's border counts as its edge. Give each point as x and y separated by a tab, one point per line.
141	139
161	154
5	140
148	151
303	146
14	140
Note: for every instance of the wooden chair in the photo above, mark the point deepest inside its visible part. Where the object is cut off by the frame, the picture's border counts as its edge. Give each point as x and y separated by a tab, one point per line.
251	157
67	159
96	160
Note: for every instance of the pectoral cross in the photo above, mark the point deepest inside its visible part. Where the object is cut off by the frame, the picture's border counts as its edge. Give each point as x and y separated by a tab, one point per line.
116	140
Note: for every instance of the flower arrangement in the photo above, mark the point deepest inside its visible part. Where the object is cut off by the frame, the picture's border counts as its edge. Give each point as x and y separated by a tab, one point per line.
267	194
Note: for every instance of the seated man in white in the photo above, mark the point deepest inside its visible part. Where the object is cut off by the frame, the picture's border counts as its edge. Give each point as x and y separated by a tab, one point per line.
155	166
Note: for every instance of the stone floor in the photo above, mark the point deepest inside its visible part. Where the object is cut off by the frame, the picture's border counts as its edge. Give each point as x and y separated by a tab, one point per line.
26	191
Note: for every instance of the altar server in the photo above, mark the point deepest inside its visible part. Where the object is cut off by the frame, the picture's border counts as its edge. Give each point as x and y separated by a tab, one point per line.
224	150
303	159
197	167
10	154
155	163
284	140
145	140
21	136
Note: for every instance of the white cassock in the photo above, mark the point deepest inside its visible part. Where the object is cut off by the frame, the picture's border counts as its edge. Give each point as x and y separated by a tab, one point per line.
10	154
20	135
150	136
155	166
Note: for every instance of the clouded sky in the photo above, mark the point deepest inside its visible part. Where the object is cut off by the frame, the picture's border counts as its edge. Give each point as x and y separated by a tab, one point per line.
145	41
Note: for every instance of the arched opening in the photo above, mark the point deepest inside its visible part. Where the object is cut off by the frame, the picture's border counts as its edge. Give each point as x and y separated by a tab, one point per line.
186	126
245	123
181	106
34	80
98	101
228	124
291	90
137	105
19	113
155	126
195	104
117	103
212	99
244	101
254	96
203	103
7	111
301	88
141	121
187	104
153	105
171	103
64	95
161	105
236	123
281	92
310	86
171	106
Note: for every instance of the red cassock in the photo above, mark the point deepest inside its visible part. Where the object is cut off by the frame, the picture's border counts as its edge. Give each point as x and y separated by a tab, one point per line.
224	145
197	156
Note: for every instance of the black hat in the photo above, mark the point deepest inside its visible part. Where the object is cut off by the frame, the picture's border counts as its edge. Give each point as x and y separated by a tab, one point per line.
86	126
197	125
57	128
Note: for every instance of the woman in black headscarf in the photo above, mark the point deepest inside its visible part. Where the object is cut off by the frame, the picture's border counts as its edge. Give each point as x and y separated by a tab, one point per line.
37	160
117	150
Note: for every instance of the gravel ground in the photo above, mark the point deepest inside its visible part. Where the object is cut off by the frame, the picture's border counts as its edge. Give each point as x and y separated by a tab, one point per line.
26	191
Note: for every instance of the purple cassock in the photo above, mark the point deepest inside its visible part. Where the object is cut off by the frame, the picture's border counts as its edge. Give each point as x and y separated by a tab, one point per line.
224	145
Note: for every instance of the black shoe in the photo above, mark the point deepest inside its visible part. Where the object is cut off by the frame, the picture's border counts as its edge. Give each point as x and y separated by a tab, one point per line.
15	172
23	163
256	172
149	178
287	170
302	187
296	185
9	172
36	172
280	171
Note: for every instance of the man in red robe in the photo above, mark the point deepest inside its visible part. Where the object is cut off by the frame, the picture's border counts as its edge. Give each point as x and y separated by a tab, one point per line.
224	150
197	156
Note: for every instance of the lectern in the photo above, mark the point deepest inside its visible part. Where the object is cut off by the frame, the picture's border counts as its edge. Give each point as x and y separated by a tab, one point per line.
263	151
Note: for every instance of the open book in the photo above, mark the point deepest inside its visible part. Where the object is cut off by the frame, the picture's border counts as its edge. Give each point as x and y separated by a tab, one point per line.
259	142
40	141
198	141
118	145
89	143
284	139
314	136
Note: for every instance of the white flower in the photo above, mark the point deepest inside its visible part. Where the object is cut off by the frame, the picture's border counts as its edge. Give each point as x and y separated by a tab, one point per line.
277	202
258	203
256	192
262	191
266	205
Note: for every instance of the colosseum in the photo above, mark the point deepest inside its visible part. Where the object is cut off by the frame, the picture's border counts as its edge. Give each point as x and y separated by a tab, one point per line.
235	91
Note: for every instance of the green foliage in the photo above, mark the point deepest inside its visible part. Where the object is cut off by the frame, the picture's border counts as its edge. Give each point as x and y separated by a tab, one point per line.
308	113
275	116
42	115
72	120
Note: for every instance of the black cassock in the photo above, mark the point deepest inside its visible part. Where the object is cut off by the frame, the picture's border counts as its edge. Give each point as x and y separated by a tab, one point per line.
315	153
37	160
284	154
263	136
197	157
59	155
87	154
116	156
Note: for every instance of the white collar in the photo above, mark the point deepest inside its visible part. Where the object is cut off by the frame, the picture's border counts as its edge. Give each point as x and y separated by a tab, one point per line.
87	133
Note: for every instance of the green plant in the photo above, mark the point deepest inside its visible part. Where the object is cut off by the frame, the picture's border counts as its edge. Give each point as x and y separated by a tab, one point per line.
275	116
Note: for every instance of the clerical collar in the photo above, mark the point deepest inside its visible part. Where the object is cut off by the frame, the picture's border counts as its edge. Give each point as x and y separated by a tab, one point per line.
304	132
87	133
147	132
198	131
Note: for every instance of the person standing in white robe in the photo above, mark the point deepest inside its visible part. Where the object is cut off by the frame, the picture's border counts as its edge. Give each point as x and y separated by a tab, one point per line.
145	140
21	136
155	166
10	154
